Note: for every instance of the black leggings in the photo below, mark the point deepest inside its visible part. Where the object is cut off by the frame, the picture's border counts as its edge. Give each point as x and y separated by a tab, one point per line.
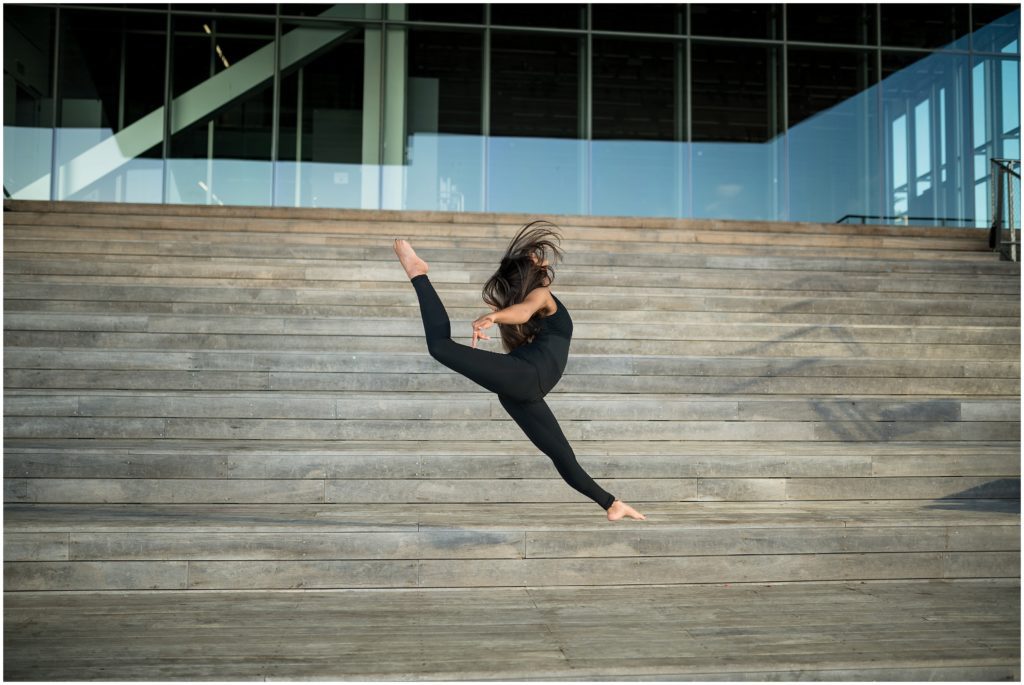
516	383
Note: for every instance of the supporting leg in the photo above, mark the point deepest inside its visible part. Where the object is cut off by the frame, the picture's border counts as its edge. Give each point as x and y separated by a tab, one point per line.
541	427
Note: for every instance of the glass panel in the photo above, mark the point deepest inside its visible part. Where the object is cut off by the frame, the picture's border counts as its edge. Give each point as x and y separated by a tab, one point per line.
737	21
233	8
996	28
326	135
637	17
444	152
925	26
221	142
839	24
995	110
833	134
28	101
111	118
551	15
462	13
329	11
636	166
925	115
535	101
535	85
737	118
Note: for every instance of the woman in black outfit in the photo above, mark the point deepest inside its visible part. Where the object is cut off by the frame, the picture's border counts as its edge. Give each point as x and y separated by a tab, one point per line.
535	331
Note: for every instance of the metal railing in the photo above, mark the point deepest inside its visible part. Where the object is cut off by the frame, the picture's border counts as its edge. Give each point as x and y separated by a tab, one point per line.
1005	220
903	220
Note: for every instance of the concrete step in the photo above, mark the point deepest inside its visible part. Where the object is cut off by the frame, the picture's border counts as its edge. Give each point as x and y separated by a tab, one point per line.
192	547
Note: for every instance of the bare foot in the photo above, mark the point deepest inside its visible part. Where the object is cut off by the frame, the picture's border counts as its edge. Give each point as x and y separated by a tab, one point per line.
618	509
413	265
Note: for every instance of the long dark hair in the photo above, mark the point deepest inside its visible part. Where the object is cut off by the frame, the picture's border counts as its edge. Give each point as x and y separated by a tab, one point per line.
518	275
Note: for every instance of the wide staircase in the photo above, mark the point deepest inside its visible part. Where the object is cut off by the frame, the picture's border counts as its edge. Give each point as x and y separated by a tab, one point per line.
224	398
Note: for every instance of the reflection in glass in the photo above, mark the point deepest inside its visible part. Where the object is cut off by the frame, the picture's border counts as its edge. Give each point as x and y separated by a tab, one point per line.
636	169
220	144
842	23
550	15
995	28
641	18
461	13
925	25
325	134
735	20
444	153
833	134
28	101
924	115
110	114
995	83
535	157
737	121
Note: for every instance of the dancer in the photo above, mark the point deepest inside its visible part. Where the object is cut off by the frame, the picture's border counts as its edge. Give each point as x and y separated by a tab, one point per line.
535	332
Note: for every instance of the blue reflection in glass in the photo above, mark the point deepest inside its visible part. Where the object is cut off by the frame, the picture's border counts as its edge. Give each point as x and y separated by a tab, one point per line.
738	180
1001	35
444	173
327	184
922	104
219	182
93	166
27	161
540	175
833	161
638	178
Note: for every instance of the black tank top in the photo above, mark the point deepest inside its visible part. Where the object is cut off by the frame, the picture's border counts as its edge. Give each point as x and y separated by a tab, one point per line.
549	349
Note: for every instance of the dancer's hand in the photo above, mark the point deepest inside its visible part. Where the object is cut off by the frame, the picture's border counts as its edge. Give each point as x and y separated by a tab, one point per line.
485	321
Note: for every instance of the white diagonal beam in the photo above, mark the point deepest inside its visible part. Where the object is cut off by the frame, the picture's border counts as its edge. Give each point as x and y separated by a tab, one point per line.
189	107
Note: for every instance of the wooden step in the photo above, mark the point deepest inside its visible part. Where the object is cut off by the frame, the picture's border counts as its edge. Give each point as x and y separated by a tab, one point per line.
30	242
236	547
892	630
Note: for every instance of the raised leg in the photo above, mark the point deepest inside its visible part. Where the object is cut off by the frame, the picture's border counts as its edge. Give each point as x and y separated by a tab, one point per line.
541	427
500	373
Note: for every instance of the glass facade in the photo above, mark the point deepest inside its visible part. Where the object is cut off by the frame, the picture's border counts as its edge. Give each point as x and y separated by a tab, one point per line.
883	113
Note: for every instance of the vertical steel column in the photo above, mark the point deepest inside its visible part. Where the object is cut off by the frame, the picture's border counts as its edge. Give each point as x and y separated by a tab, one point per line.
275	109
165	144
689	109
298	137
586	109
783	185
382	83
679	104
54	110
885	209
485	109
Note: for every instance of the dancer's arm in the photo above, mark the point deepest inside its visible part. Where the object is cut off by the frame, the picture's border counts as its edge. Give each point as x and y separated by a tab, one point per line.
521	313
516	314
